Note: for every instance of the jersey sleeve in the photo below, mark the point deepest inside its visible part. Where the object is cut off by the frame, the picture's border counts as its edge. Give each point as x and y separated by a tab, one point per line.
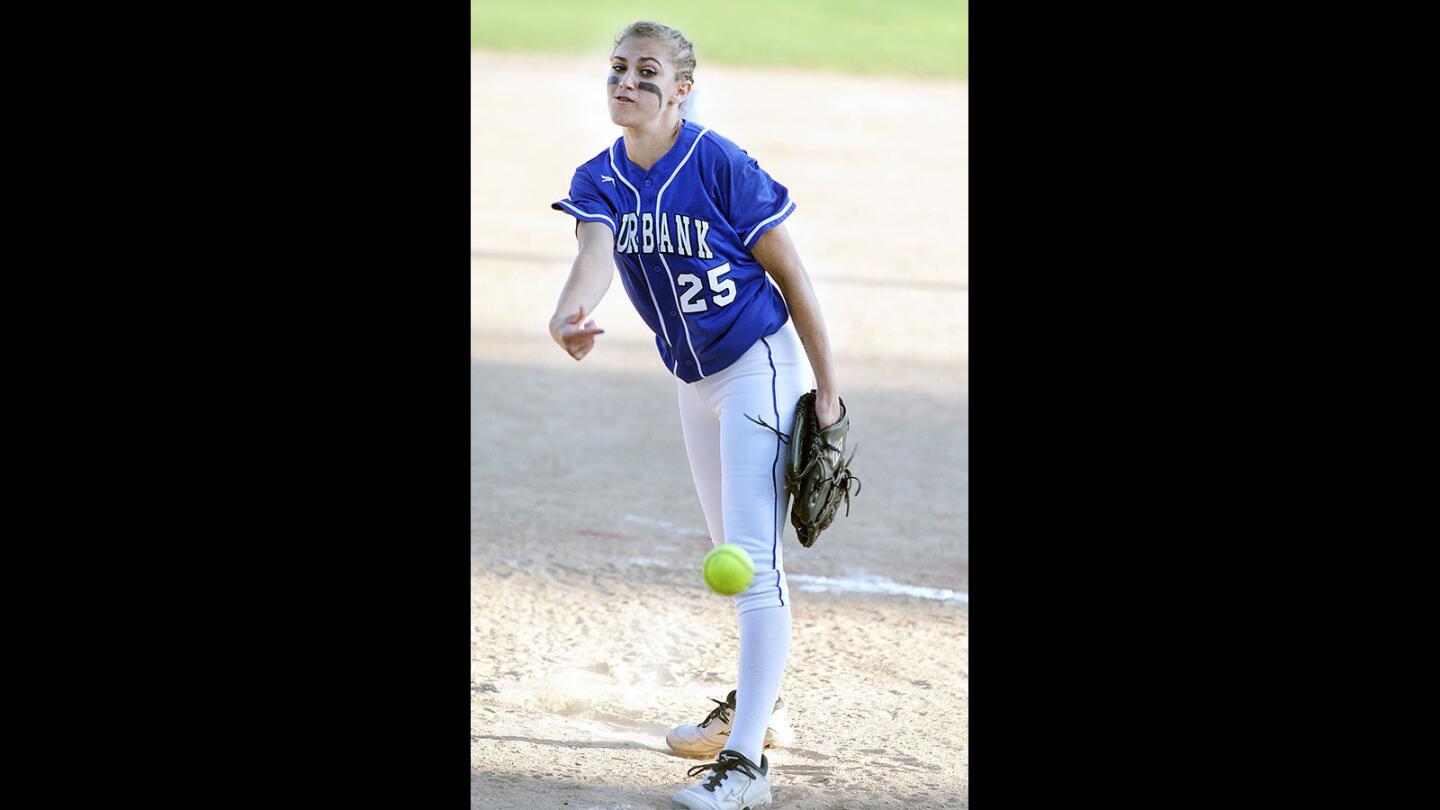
755	202
585	202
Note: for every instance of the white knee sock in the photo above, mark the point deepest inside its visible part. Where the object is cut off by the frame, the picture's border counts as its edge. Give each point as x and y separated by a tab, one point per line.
764	647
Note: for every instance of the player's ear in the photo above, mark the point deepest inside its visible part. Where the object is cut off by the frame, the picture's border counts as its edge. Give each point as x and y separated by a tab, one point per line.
682	90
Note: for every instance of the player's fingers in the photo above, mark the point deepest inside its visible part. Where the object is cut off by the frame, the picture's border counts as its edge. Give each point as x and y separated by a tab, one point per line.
580	344
577	317
576	338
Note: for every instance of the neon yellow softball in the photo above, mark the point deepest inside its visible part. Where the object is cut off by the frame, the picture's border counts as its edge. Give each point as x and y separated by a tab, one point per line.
728	569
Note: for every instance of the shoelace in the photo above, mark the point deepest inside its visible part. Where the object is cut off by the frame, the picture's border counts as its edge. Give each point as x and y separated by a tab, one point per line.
722	768
721	710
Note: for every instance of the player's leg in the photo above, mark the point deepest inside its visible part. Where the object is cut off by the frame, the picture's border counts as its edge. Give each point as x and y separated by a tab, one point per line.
700	425
765	383
701	428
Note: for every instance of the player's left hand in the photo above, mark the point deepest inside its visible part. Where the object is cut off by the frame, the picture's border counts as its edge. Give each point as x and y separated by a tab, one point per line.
827	409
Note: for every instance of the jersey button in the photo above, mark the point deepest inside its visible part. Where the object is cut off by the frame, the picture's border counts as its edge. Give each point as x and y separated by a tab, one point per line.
687	362
672	313
647	184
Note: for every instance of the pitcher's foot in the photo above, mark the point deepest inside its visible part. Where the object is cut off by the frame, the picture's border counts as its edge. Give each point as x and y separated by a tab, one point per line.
708	737
734	783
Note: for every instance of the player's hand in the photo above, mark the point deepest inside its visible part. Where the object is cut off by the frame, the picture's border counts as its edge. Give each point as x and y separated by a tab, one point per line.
827	408
575	339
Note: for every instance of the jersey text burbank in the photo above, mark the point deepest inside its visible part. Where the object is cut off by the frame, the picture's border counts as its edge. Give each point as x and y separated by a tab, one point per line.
642	239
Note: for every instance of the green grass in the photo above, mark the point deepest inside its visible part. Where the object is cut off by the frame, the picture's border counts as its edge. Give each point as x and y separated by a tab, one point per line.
906	37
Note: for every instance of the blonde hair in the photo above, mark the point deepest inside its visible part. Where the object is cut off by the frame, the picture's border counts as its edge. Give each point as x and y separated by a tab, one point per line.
682	50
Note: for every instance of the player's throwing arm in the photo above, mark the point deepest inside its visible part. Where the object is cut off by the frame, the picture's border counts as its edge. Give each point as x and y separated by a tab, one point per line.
589	279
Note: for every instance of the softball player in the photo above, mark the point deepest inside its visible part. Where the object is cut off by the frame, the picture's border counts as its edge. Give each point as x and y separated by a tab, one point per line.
696	230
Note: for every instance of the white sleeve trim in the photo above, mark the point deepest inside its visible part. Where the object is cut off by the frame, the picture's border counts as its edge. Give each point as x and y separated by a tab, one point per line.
782	212
585	215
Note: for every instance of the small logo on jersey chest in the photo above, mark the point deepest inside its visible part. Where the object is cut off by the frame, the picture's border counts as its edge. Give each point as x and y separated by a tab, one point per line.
605	178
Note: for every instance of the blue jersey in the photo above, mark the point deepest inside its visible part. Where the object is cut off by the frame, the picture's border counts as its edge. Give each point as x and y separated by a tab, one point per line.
683	232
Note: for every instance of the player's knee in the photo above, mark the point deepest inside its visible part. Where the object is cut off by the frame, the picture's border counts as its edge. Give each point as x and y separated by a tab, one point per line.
767	589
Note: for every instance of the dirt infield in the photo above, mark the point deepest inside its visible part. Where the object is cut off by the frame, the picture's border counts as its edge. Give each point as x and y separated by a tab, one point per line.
591	630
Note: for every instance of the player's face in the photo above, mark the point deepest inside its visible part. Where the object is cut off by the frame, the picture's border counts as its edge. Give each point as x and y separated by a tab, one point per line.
641	84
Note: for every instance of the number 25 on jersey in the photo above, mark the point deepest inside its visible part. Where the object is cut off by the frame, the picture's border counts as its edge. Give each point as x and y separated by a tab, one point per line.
723	289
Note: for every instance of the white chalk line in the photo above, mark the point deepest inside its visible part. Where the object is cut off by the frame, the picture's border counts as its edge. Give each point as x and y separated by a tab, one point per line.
665	524
865	583
875	584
